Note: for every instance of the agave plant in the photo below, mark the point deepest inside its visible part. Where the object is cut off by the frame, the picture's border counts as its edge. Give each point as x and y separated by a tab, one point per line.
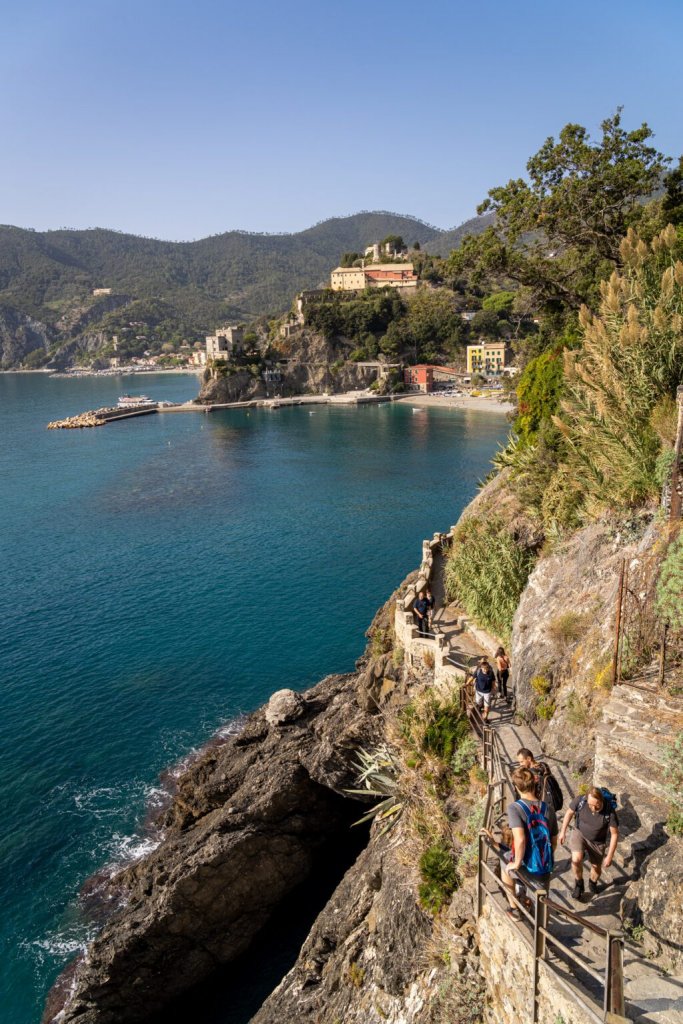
378	774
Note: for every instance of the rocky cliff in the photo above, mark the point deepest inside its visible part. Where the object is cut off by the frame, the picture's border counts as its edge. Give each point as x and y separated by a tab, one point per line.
312	364
21	334
251	814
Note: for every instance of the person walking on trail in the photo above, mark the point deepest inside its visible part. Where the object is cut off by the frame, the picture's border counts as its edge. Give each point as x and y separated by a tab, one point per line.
502	672
504	850
429	597
484	687
532	838
547	786
595	821
421	612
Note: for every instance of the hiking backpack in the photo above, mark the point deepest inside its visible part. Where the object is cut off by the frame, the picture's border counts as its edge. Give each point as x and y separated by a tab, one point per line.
538	851
556	795
609	804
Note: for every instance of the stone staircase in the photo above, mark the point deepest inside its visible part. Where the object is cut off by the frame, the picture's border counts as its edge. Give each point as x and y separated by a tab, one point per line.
637	722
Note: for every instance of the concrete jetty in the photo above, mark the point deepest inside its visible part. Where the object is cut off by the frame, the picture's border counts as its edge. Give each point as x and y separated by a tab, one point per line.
98	417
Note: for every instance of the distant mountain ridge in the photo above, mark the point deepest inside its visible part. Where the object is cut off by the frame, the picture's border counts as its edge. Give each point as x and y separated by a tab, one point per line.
50	276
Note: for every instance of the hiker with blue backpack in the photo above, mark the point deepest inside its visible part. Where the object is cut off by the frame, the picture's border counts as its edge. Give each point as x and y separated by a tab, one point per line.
533	838
595	821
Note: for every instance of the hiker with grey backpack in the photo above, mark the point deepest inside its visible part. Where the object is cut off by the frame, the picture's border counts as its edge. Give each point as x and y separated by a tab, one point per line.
595	834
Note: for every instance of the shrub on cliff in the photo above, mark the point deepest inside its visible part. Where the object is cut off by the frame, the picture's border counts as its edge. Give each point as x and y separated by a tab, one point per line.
618	385
439	877
487	571
670	585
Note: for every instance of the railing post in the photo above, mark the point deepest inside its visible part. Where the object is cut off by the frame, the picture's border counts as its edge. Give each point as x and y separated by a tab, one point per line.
480	878
540	921
617	624
614	975
662	655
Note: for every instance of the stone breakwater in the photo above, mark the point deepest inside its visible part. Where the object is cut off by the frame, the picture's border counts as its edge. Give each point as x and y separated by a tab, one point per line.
98	417
84	419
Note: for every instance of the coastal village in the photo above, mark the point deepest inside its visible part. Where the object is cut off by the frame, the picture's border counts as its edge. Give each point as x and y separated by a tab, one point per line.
241	365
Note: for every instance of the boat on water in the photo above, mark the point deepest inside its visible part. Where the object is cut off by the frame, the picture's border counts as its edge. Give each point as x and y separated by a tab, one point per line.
133	401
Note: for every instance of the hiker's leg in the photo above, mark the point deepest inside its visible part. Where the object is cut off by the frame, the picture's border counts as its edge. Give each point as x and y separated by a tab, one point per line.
509	884
596	865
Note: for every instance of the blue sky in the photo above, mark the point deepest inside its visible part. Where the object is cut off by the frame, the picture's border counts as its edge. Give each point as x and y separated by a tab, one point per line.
182	119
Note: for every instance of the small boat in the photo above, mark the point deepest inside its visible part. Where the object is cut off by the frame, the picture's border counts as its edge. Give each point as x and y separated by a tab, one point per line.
133	401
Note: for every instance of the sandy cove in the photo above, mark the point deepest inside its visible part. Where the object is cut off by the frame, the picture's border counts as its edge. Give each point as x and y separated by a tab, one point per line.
478	403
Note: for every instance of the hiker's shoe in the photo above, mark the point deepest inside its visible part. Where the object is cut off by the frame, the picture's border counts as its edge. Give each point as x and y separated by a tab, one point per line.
577	891
594	887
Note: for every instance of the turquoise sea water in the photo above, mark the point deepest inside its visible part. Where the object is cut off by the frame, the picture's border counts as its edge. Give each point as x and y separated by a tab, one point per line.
162	575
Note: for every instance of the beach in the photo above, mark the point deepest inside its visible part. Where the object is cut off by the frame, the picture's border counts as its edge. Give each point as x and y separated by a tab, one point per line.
478	403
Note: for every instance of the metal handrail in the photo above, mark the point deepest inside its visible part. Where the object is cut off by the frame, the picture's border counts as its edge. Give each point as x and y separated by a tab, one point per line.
545	909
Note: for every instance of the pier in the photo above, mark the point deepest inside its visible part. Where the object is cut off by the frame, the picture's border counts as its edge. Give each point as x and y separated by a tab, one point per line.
98	417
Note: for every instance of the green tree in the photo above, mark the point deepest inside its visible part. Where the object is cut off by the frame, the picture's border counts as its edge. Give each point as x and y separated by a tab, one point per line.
395	241
558	233
500	303
485	322
538	393
36	358
432	325
672	203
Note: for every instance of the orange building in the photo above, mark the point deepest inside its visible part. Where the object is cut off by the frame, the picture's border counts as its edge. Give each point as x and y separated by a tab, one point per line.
419	378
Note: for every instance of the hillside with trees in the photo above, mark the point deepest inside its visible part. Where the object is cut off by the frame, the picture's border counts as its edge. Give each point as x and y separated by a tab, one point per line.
49	276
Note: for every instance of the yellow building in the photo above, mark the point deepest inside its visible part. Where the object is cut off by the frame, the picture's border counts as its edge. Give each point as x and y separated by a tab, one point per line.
347	279
488	357
377	275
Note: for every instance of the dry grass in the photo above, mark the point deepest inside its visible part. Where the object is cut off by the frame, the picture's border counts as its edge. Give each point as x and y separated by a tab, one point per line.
566	630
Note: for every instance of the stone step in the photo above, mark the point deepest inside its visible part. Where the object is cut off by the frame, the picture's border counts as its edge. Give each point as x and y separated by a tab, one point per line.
651	997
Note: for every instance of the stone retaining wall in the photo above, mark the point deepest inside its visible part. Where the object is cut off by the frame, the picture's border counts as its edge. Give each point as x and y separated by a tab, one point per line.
433	652
508	966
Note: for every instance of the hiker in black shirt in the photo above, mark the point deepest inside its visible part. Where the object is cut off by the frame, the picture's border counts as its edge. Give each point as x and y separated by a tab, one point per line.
420	612
594	823
484	687
429	598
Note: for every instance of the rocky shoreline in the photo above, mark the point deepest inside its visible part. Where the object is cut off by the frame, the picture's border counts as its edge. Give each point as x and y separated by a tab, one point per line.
240	832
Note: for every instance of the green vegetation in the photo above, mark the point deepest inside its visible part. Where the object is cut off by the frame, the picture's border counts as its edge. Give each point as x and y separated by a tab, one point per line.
439	877
674	763
362	318
538	394
545	708
486	571
378	774
670	585
630	362
595	399
425	329
435	726
577	712
557	233
228	277
470	837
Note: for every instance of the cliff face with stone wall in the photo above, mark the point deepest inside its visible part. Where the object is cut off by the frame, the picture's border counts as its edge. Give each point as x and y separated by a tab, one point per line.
251	815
